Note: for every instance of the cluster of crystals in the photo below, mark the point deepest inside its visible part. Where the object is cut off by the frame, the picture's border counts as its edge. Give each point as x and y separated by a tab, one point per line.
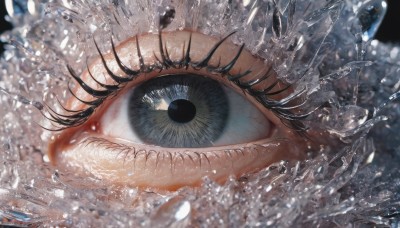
323	46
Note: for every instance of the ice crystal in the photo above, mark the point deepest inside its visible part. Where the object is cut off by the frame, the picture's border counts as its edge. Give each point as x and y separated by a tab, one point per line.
324	48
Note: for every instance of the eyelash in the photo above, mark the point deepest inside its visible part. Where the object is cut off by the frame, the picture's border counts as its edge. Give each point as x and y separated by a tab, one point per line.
199	158
281	108
126	151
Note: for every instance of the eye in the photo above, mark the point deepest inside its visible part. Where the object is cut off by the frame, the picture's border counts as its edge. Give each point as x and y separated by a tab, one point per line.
166	110
184	111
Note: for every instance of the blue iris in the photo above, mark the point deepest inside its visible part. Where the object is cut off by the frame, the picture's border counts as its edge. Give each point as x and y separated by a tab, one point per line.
178	111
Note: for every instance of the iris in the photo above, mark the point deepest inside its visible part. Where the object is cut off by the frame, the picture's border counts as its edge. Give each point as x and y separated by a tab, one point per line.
179	111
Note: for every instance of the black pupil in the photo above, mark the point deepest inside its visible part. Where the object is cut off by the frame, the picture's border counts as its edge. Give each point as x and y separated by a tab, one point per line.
181	111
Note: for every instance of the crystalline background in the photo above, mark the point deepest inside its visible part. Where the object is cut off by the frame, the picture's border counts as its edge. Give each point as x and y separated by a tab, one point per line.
325	47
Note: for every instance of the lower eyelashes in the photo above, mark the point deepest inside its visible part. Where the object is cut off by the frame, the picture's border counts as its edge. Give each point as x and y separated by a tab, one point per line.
145	166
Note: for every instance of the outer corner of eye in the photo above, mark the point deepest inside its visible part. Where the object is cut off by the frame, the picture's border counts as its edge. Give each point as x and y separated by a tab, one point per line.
174	123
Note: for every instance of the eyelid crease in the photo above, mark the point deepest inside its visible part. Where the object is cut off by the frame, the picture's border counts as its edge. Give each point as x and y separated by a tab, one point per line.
249	80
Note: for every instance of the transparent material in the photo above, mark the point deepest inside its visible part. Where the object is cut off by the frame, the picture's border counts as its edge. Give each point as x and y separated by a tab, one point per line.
324	48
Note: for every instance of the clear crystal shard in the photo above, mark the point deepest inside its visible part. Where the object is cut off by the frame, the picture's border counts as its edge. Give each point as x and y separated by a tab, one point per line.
172	213
16	7
370	15
348	118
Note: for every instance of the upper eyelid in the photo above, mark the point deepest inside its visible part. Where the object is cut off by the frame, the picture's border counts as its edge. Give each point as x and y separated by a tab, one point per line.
164	62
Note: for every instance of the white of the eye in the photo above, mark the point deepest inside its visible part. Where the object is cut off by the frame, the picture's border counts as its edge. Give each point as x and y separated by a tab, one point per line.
115	121
245	123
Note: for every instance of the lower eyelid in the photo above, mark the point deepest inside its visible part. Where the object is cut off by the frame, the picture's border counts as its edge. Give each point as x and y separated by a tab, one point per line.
121	163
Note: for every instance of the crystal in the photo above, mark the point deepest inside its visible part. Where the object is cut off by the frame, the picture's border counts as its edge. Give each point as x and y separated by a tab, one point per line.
345	118
309	43
16	7
20	216
370	15
172	213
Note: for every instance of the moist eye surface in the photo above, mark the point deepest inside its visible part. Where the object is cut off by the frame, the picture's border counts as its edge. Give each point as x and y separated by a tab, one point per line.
179	111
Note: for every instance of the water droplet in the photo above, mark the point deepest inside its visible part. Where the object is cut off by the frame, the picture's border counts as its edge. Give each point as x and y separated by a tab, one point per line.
370	16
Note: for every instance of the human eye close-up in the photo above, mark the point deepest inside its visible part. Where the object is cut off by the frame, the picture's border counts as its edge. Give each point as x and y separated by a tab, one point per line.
190	109
131	113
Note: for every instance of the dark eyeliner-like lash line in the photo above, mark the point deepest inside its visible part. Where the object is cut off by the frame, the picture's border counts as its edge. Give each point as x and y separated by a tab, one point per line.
280	108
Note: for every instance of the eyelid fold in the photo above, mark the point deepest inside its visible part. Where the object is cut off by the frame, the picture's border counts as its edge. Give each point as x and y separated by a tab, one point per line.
198	54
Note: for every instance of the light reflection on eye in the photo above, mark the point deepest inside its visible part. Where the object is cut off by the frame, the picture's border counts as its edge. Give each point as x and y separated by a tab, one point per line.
184	111
177	116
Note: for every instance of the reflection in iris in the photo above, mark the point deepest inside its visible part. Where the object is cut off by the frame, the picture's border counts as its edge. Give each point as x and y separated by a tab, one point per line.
200	122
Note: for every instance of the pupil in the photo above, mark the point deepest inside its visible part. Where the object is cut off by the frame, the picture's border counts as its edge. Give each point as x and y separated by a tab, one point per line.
181	111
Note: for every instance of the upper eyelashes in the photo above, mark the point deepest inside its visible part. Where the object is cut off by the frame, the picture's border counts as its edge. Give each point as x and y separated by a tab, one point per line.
256	86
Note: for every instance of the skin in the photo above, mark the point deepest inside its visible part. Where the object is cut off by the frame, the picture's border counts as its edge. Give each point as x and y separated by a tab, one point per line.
121	162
